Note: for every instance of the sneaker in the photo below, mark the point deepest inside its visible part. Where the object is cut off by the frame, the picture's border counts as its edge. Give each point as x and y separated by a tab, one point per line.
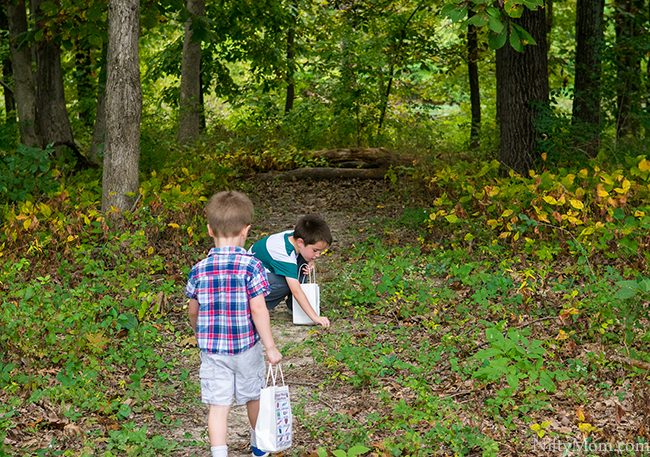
258	452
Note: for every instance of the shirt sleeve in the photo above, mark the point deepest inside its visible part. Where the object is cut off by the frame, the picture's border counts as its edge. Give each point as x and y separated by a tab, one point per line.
258	283
190	289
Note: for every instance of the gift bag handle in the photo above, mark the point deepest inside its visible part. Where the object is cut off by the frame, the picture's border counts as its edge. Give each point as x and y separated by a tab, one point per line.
311	277
273	374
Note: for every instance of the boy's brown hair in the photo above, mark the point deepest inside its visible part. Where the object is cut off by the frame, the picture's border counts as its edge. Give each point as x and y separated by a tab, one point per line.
228	212
312	229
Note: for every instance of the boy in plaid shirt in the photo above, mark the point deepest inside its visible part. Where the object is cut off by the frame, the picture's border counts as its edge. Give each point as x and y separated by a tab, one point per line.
228	313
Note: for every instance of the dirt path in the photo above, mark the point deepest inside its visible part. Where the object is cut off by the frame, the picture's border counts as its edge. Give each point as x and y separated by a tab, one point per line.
349	209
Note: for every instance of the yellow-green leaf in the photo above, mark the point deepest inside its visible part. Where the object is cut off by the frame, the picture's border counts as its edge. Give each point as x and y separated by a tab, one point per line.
577	204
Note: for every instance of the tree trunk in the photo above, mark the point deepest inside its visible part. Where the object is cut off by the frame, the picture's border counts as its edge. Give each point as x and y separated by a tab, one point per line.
586	98
7	74
190	106
86	97
99	128
628	67
120	184
522	82
475	95
291	55
53	121
24	90
549	23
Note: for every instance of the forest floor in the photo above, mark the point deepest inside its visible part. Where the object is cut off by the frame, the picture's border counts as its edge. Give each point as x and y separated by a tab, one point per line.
355	211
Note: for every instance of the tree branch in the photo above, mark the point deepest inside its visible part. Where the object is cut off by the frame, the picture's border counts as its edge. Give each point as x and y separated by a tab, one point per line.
6	86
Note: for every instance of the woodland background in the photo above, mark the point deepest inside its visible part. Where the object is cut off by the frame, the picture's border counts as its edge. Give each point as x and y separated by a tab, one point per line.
489	286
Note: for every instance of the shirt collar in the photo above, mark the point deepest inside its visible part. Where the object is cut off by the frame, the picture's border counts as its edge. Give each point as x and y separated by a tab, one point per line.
226	250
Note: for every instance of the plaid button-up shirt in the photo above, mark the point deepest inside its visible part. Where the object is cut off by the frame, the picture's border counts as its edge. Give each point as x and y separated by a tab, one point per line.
223	283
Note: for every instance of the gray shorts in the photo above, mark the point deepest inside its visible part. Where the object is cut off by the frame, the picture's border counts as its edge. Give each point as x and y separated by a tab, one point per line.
224	375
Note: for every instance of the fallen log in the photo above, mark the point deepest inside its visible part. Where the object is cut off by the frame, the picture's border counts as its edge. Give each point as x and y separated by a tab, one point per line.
348	163
364	157
324	174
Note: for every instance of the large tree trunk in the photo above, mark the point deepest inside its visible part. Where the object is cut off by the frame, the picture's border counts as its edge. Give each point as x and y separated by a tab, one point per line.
586	98
7	73
53	121
475	95
190	106
522	82
24	91
120	185
628	69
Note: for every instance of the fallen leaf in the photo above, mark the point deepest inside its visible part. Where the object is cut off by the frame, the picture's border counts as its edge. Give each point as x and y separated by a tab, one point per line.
189	341
620	412
71	430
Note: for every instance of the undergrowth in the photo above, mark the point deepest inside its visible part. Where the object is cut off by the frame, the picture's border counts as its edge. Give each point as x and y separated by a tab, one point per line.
514	289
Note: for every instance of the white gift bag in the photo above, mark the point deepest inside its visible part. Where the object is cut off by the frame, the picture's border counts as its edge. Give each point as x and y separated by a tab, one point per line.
274	422
312	291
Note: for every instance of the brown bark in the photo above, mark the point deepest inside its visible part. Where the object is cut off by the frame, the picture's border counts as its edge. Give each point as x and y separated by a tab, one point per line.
522	82
85	83
99	128
53	122
586	99
190	102
24	89
120	184
475	95
291	85
7	74
628	66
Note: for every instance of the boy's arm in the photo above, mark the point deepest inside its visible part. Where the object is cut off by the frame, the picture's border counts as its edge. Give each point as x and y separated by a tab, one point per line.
303	301
194	313
262	322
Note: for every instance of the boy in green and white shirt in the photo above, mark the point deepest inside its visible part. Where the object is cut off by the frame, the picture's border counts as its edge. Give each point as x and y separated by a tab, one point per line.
288	257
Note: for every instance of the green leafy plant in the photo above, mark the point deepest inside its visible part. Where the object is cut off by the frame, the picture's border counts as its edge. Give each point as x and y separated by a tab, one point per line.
26	174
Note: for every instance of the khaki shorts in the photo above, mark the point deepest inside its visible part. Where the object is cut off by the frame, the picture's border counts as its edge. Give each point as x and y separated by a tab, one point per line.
224	375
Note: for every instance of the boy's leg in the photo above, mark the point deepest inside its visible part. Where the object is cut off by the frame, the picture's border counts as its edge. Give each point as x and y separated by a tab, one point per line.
279	290
249	380
218	424
253	409
217	388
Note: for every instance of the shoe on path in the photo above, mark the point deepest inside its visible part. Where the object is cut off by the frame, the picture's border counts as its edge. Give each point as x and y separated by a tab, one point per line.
258	452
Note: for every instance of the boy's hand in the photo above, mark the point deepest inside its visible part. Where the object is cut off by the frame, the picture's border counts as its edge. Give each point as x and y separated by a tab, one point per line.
322	320
274	356
307	267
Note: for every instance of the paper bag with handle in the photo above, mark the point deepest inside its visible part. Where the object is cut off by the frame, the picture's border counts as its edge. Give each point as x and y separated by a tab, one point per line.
312	291
274	422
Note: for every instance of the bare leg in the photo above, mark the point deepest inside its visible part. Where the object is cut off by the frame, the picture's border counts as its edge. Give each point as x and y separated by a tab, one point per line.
253	408
218	424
